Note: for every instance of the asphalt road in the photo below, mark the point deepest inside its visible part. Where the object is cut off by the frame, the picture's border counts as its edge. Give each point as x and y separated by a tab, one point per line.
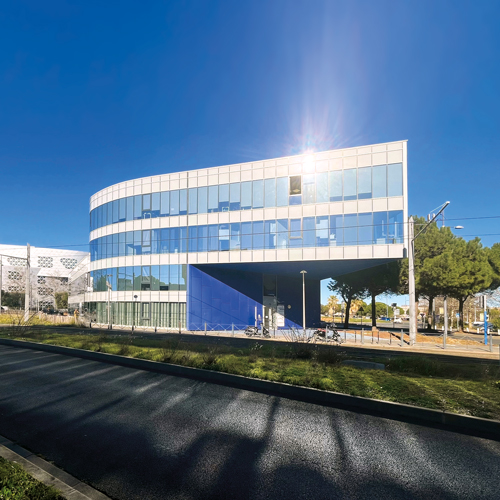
140	435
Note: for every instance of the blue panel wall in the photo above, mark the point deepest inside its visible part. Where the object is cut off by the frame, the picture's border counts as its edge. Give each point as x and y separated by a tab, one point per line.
215	302
222	297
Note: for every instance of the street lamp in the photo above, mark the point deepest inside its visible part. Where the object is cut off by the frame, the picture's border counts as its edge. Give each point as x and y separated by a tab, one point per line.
133	313
304	301
108	285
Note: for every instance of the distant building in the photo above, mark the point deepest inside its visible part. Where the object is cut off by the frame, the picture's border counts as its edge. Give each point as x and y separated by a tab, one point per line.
49	272
225	246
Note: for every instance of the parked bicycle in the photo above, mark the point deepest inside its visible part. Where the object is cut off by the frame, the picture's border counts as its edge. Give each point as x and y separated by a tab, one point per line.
253	331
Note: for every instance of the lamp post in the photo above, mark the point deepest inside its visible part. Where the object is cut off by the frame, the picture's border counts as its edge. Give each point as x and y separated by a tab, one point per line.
304	301
133	313
108	285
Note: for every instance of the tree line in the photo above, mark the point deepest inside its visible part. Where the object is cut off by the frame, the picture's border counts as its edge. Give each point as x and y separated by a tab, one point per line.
446	265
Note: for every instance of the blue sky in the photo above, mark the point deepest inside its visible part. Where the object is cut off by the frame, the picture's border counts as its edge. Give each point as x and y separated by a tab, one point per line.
93	93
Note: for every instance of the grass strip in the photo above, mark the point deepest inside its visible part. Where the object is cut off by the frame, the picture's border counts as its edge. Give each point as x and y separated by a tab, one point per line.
16	484
468	389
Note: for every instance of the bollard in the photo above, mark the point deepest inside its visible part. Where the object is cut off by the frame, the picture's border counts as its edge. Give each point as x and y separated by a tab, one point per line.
491	342
232	328
205	328
362	335
402	339
179	327
355	341
378	336
390	338
345	335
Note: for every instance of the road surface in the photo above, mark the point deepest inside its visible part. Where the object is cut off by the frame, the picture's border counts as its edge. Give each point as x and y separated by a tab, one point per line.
139	435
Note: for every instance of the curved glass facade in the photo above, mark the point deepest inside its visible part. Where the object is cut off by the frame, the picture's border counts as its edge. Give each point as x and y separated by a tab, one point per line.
340	185
140	278
329	230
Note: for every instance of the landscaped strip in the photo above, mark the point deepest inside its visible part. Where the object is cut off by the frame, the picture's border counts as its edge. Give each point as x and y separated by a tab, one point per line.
468	389
16	484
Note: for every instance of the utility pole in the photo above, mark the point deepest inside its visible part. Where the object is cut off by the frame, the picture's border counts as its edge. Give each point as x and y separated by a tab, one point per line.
411	269
27	293
411	281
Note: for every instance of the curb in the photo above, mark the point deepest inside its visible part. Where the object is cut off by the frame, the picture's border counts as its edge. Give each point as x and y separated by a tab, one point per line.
69	487
450	421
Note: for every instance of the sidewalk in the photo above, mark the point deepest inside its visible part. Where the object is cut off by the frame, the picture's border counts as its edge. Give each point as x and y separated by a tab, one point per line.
69	487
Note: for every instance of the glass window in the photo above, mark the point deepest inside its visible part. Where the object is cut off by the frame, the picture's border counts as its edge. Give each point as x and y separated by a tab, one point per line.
380	227
174	202
335	186
121	244
235	236
213	237
137	277
137	242
223	237
129	243
165	204
309	231
246	235
183	239
309	188
182	201
395	179
121	285
109	207
336	230
270	193
270	234
364	183
129	278
395	227
122	209
295	185
213	198
146	278
322	231
182	276
282	227
155	241
174	277
322	188
234	196
164	278
380	181
258	235
202	238
258	194
138	207
175	237
224	198
155	205
365	228
129	211
202	200
351	229
246	195
146	241
114	253
193	239
164	240
295	233
281	191
115	211
193	200
146	202
350	189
